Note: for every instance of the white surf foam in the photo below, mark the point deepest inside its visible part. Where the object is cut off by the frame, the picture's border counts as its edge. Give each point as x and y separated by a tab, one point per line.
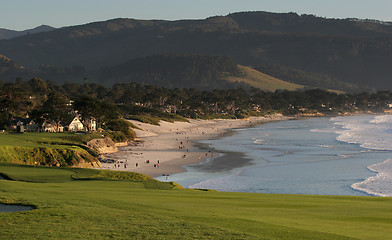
232	182
375	134
382	119
326	130
379	185
258	141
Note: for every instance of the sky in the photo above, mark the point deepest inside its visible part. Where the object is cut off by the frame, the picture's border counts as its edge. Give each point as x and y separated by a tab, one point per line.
26	14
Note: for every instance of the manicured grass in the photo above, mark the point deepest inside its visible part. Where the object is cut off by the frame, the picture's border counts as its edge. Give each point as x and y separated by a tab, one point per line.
51	140
31	139
61	149
99	207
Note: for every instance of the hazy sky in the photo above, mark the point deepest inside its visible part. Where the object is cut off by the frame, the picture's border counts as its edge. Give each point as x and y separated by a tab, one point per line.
24	14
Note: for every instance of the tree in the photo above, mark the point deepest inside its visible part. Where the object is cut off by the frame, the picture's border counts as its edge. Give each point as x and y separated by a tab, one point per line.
38	85
56	109
89	106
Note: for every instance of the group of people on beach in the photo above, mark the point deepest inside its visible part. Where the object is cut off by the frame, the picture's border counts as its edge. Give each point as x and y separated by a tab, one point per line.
117	164
183	146
156	165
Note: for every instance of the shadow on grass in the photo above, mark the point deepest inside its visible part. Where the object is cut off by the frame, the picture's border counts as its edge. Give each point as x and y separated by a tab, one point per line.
44	174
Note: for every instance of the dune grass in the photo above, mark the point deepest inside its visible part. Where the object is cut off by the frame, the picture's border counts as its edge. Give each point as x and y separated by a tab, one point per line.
93	204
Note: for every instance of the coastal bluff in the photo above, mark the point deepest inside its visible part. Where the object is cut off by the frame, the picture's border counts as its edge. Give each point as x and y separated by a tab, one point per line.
102	145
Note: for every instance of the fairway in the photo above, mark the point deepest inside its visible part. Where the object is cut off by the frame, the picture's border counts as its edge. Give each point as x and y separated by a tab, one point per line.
43	139
51	149
91	204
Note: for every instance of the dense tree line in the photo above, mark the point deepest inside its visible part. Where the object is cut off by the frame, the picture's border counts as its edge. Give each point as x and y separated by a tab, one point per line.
46	100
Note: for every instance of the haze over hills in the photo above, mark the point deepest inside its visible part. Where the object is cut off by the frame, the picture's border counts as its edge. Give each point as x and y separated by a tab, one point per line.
329	53
8	34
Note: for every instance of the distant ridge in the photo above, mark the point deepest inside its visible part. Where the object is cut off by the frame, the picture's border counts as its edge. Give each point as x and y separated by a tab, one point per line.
344	54
9	34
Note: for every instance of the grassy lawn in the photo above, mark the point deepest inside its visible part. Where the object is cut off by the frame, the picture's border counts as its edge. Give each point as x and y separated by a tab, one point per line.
263	81
51	140
92	204
61	149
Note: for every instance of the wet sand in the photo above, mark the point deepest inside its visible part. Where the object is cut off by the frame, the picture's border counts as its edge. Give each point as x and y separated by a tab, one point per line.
166	149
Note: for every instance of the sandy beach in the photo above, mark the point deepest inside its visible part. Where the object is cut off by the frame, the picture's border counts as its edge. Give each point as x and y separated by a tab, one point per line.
165	149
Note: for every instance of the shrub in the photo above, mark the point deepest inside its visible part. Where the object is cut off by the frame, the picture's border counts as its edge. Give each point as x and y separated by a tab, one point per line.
121	130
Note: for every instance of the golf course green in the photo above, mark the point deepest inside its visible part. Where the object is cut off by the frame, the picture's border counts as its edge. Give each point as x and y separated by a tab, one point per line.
73	203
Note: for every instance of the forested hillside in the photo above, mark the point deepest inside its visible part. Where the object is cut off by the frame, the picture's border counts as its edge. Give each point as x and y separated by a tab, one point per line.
325	51
175	71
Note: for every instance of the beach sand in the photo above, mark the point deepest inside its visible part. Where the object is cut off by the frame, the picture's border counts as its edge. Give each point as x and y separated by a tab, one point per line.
165	149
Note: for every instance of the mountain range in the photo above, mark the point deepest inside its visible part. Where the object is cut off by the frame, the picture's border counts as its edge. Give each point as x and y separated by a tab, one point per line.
8	34
345	54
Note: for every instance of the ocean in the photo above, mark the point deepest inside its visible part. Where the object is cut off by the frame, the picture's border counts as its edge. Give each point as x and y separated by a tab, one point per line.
323	156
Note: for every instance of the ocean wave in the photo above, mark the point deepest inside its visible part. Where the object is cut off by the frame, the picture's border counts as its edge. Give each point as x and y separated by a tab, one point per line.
258	141
319	164
215	183
379	185
382	119
327	130
370	134
345	155
233	182
327	146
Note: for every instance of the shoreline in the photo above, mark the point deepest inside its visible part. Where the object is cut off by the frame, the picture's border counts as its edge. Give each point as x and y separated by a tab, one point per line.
166	149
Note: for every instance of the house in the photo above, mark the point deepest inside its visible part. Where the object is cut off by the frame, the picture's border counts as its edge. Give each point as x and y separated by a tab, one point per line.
90	124
24	123
76	125
17	122
52	127
31	126
47	127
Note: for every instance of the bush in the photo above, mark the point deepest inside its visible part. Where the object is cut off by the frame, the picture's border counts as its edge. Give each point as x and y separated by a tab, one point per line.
121	129
116	136
145	119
